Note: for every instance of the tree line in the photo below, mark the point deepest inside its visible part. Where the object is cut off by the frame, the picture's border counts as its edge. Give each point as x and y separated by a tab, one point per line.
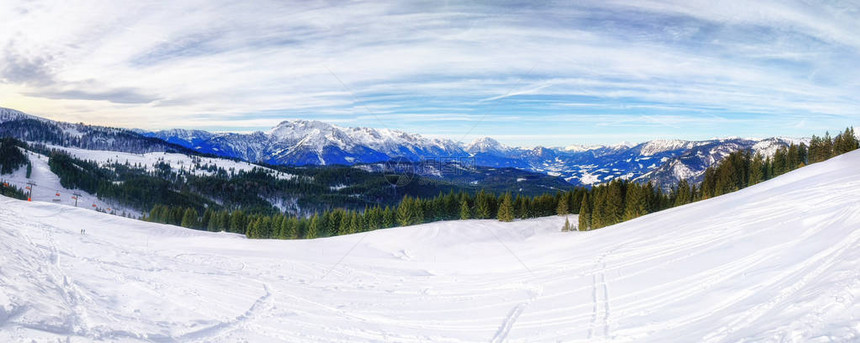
339	221
597	207
621	200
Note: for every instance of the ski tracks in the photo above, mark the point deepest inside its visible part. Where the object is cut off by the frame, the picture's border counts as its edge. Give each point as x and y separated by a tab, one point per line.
600	297
818	264
262	305
78	323
513	315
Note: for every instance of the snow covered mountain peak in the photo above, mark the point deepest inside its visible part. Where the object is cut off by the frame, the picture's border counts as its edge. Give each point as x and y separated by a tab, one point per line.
486	145
660	145
293	130
580	148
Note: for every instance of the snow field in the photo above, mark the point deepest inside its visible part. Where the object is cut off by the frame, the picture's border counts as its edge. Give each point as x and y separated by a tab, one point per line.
779	261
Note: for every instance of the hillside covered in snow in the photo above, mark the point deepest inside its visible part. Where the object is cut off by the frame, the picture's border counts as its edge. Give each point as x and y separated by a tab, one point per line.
778	261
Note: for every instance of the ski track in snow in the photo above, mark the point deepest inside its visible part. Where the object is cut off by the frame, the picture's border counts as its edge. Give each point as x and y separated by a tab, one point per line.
779	261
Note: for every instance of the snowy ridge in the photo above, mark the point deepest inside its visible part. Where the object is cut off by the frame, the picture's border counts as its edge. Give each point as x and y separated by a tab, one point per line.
306	142
778	261
657	146
177	162
7	114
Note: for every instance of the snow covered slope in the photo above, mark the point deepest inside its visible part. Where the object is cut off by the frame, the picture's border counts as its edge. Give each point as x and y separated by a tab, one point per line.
48	186
779	261
177	162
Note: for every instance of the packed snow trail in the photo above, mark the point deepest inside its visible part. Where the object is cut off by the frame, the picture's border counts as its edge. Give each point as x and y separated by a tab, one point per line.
779	261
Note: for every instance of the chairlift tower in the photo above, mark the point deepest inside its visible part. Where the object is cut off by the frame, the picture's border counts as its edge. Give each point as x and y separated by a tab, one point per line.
30	185
76	196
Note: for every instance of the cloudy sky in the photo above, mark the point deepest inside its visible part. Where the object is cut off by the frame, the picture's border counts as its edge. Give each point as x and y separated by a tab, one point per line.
585	73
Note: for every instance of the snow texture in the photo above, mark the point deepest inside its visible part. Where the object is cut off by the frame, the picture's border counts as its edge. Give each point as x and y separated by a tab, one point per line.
779	261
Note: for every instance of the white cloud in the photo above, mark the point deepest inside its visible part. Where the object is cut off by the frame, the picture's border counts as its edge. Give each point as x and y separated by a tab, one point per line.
184	63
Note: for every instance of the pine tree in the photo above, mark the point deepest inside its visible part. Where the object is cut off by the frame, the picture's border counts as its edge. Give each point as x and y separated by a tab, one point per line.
354	223
418	211
294	227
405	212
334	222
566	226
301	228
253	229
155	214
313	227
506	209
207	217
757	169
388	218
265	229
343	228
369	219
465	212
482	206
562	209
614	202
237	222
189	218
584	214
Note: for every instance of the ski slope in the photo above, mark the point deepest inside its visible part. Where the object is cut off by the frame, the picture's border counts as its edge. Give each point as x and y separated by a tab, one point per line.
48	186
779	261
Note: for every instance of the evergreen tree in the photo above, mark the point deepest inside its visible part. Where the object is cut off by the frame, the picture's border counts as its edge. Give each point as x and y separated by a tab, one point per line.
155	214
334	222
465	212
482	206
562	209
265	229
757	169
683	193
224	221
301	228
207	217
354	223
344	224
253	228
566	226
237	222
614	202
584	214
636	202
293	228
506	209
405	212
189	218
313	227
388	218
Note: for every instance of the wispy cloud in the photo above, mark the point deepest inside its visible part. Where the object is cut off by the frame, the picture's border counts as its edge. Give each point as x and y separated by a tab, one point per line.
695	69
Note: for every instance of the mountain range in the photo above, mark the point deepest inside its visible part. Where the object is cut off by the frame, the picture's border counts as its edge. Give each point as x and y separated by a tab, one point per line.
303	142
309	143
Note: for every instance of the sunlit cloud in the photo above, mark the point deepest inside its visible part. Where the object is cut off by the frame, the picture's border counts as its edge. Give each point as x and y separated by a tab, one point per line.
537	74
